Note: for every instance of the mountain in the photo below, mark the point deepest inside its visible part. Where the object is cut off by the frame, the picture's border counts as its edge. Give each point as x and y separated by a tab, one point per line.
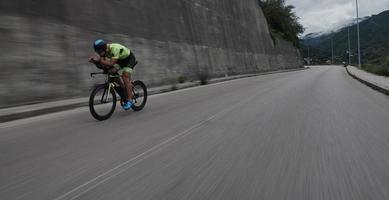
313	35
374	34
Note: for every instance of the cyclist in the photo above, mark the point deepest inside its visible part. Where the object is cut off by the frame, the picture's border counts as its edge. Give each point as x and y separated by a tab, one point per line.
116	58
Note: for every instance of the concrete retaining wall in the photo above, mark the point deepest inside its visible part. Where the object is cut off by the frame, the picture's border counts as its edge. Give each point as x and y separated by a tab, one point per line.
45	44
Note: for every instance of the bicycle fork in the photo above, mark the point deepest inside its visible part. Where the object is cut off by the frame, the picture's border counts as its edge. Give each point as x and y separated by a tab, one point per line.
107	91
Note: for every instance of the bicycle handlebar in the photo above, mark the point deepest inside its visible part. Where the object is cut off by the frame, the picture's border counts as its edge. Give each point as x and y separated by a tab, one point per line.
99	66
95	73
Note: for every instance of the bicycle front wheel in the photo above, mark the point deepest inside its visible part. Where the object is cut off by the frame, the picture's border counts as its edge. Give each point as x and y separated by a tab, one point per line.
102	103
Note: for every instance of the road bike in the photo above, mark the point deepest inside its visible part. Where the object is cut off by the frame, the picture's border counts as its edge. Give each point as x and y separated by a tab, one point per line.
103	99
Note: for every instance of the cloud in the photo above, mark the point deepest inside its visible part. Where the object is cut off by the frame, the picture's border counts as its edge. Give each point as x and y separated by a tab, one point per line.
327	15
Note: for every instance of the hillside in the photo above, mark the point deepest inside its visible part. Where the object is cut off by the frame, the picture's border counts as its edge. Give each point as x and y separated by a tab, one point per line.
374	32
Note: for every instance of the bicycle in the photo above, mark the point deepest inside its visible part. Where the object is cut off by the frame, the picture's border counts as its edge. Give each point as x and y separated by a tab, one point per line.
102	101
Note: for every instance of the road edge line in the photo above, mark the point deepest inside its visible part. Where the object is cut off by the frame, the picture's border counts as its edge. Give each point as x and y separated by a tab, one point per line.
370	84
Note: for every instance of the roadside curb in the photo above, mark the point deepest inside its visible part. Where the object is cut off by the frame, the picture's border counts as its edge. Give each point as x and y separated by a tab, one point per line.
26	113
370	84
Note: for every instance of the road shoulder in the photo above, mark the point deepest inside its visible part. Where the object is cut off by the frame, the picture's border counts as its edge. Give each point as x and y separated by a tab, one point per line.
379	83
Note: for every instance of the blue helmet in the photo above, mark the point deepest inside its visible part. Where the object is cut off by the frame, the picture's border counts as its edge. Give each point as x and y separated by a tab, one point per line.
100	46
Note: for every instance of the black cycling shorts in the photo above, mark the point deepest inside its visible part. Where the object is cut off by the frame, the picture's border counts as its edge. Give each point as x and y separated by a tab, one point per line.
129	61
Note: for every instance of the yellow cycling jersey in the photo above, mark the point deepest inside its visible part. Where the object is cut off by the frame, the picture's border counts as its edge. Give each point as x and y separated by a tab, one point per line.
117	51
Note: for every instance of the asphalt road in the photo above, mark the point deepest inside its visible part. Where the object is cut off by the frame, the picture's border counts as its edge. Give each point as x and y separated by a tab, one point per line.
311	134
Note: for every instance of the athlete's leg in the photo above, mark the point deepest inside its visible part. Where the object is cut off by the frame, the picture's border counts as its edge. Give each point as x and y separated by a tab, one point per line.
126	76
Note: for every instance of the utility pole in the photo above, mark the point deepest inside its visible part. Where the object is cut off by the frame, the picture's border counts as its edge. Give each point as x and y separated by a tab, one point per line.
359	42
309	59
349	51
332	51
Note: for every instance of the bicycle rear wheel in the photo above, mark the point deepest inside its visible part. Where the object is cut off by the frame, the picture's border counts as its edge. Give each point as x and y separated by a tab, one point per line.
102	103
140	95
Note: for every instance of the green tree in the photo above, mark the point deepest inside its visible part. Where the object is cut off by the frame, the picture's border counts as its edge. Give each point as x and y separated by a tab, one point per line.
282	21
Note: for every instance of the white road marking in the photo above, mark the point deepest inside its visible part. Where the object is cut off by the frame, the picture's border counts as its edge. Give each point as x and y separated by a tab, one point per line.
102	178
42	117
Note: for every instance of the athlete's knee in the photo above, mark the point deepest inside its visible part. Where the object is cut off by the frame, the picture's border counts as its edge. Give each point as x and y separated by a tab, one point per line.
126	76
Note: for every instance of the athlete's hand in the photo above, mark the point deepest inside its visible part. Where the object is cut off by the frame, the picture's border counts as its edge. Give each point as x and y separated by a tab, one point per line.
94	59
112	70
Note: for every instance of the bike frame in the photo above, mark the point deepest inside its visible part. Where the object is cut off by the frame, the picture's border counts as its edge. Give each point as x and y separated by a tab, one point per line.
111	85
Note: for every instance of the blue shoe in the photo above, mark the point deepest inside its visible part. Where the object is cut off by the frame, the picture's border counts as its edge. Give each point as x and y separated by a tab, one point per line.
127	105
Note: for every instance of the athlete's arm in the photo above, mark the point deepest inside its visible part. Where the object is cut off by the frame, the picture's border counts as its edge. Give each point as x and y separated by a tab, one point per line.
108	62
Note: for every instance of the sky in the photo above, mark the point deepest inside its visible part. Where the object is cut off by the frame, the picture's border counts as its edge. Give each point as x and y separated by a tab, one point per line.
327	15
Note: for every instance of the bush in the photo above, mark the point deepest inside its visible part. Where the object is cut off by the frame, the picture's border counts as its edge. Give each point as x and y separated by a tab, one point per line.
282	21
382	70
173	82
181	79
203	77
386	62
